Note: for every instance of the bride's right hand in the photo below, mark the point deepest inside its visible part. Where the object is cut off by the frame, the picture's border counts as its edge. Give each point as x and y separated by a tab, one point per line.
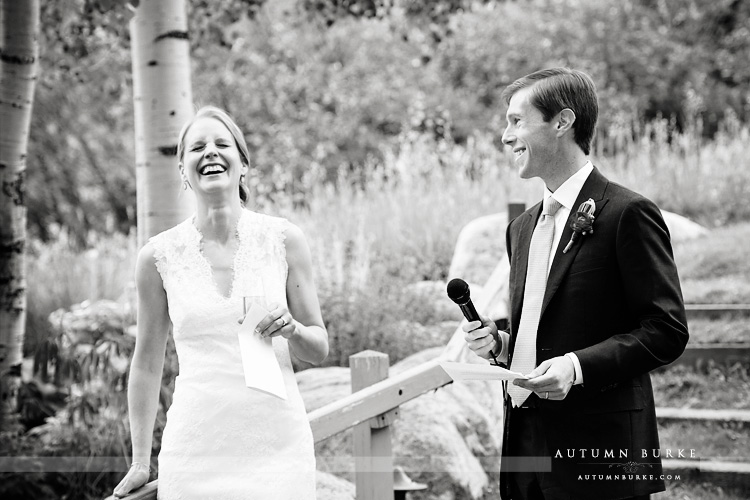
136	477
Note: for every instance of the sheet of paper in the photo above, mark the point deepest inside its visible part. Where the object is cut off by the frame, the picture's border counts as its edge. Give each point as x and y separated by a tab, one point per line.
262	370
471	371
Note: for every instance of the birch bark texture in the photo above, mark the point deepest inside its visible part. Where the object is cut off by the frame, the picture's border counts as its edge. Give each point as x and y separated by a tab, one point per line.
162	98
19	66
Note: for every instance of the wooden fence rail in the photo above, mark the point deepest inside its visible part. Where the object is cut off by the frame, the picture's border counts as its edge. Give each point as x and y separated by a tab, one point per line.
712	309
702	354
376	399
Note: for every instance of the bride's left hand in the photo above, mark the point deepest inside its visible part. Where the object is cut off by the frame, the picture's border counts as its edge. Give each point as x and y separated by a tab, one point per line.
279	321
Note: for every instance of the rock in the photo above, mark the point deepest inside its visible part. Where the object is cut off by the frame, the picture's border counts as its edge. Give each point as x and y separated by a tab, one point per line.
320	386
445	438
442	438
331	487
480	259
430	447
479	248
416	337
681	228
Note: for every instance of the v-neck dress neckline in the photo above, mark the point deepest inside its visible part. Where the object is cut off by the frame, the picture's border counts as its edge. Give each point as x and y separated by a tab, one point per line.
208	268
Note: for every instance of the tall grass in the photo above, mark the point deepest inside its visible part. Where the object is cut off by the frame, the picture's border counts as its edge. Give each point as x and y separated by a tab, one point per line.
716	269
404	220
372	239
705	180
59	275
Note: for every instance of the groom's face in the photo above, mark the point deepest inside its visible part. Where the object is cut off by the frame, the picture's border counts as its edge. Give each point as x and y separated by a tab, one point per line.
532	140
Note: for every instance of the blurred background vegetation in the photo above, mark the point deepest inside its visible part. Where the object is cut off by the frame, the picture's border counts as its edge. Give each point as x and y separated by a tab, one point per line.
375	126
379	102
322	93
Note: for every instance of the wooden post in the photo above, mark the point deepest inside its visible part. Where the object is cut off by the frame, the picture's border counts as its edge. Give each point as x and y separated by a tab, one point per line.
515	209
373	452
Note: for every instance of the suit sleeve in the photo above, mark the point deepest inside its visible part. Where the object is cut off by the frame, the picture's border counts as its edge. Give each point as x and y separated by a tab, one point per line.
653	299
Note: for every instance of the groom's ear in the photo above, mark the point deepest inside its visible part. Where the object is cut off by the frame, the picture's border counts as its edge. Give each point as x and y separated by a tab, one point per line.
564	121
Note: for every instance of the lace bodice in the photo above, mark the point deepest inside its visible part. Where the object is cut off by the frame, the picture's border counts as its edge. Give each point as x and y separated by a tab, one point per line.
260	267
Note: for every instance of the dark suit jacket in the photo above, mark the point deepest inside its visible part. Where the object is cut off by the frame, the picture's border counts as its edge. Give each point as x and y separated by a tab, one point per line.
615	301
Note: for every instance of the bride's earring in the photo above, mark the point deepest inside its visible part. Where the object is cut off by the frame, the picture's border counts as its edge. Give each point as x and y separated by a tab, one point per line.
185	184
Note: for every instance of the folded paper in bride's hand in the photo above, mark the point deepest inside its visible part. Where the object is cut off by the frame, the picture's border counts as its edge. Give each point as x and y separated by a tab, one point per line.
262	370
473	371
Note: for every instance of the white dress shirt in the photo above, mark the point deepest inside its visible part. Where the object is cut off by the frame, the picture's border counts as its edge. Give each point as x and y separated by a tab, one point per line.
566	194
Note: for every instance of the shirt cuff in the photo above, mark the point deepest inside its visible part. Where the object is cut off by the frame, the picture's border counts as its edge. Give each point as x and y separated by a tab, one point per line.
502	356
577	367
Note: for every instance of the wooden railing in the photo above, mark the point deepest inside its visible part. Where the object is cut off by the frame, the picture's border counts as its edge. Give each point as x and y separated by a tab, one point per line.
722	353
369	410
703	310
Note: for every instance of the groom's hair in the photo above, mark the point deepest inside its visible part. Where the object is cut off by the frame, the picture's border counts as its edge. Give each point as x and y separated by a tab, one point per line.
555	89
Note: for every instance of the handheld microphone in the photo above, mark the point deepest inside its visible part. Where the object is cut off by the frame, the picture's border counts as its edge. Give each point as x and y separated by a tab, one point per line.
458	292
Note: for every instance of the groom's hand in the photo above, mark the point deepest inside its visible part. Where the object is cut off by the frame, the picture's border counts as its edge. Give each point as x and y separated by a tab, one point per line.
481	337
550	380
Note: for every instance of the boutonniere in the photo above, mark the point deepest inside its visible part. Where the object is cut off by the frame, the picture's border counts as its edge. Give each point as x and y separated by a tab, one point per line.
582	223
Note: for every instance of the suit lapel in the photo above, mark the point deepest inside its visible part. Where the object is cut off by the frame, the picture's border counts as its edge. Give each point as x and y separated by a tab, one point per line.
593	188
522	260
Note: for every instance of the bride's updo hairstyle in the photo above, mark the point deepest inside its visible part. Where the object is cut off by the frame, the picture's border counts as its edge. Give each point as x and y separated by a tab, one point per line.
239	140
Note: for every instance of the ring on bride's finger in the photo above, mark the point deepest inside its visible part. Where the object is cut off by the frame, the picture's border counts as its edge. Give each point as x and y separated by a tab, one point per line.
283	322
546	395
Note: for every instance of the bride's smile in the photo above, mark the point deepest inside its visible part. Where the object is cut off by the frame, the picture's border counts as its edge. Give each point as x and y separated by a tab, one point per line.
212	161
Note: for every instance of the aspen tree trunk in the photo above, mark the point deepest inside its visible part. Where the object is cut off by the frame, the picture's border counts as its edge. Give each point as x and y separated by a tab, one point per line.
19	48
162	98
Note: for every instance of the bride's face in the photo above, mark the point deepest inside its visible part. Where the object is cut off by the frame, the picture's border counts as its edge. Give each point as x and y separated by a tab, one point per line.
211	162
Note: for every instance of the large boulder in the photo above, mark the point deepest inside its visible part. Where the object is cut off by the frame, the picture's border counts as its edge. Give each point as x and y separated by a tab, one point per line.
449	438
416	337
319	387
681	228
479	248
480	259
331	487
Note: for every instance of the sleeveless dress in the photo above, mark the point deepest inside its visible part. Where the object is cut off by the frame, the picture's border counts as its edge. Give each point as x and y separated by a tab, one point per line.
223	440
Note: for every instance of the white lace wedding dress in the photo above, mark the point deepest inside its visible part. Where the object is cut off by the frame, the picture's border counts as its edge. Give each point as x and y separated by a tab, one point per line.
223	440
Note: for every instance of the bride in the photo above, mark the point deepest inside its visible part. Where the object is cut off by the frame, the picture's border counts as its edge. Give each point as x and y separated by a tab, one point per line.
222	439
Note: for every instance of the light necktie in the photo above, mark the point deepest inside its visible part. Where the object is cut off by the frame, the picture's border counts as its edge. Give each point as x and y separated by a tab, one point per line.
524	352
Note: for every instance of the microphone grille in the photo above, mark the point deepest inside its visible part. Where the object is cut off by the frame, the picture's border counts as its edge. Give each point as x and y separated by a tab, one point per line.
458	291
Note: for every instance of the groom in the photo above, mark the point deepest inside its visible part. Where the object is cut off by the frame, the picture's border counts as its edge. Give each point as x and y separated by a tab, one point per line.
588	322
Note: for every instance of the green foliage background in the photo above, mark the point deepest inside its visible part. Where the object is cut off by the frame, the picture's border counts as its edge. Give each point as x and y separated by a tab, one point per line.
324	89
